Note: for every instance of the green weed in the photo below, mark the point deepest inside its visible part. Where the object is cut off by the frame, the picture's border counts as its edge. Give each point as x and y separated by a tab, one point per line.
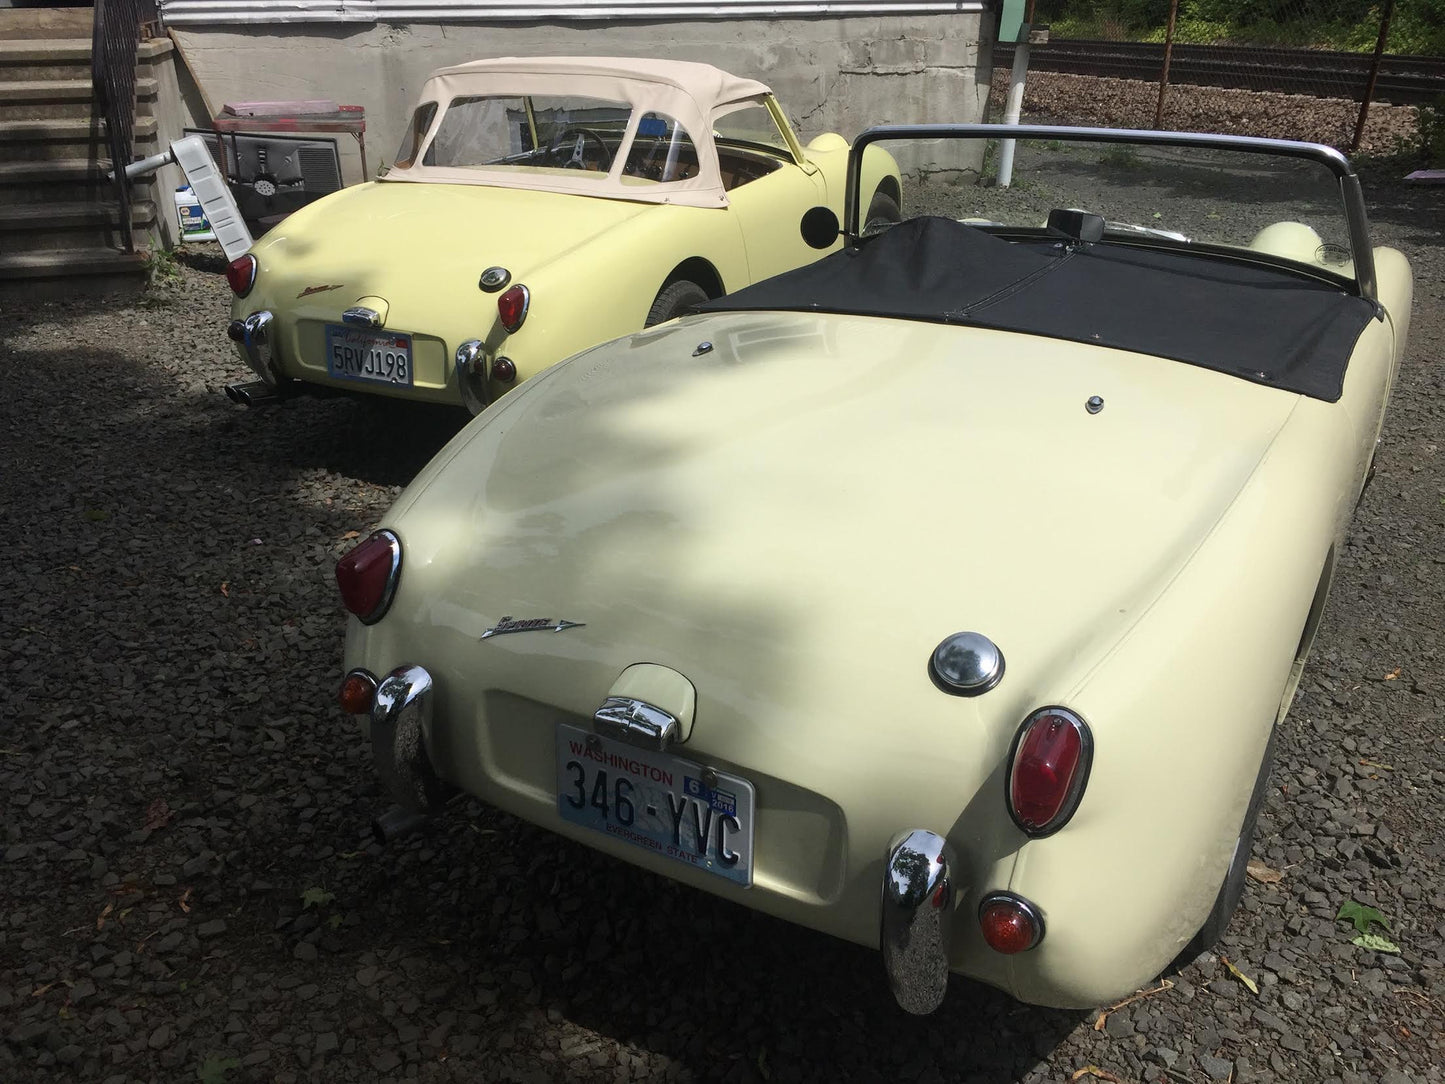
162	270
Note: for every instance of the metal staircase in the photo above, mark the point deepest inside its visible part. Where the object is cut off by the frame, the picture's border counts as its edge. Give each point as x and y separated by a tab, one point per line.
62	219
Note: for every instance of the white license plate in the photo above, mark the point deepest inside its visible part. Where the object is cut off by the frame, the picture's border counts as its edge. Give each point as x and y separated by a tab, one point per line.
382	357
656	801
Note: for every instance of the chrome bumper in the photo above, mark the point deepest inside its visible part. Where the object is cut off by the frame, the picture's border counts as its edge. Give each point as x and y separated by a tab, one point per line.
399	721
471	368
253	336
918	902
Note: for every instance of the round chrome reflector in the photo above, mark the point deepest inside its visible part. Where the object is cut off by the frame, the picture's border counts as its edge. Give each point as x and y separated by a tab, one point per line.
494	278
966	664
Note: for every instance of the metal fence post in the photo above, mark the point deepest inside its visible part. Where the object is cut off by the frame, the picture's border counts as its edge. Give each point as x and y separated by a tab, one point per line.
1164	73
1374	73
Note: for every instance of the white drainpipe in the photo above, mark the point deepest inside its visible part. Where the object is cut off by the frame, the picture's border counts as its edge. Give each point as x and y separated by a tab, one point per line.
1013	106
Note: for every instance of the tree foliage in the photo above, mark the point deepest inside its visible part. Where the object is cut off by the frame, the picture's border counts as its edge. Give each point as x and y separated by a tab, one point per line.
1416	26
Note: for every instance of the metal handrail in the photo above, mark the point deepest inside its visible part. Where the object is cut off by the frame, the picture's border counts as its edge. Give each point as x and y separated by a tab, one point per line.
114	48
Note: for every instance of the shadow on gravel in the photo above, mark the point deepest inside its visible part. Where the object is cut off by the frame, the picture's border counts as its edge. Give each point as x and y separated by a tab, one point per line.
366	439
208	259
723	992
1406	207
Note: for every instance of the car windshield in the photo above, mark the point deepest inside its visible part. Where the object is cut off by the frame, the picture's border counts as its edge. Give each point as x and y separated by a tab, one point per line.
1276	206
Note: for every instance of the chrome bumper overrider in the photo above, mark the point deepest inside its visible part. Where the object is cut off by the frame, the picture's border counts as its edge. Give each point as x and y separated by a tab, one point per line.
918	901
253	336
399	720
471	368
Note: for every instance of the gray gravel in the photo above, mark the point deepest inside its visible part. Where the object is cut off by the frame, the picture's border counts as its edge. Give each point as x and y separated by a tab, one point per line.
188	891
1132	103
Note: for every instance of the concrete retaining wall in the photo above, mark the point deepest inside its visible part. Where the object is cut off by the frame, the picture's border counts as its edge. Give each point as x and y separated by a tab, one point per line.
831	73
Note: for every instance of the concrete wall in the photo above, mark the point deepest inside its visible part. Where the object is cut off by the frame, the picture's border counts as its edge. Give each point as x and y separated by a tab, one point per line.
831	73
172	115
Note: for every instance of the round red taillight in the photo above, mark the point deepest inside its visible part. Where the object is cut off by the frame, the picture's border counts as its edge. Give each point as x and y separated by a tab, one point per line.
1010	924
367	576
1048	769
241	274
357	693
512	307
504	370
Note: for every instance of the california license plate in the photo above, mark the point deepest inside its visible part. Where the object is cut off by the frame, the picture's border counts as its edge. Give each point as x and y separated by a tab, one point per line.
656	801
382	357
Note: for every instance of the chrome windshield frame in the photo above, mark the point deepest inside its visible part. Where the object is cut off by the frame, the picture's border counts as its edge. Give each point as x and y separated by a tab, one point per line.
1351	195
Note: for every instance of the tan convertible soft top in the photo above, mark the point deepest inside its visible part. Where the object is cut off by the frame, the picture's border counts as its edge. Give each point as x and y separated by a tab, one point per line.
691	93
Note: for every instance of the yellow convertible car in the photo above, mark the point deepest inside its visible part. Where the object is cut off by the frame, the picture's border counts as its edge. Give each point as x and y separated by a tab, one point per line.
945	594
537	207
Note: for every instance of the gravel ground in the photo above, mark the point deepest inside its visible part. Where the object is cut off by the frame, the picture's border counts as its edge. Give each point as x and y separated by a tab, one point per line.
1131	103
187	886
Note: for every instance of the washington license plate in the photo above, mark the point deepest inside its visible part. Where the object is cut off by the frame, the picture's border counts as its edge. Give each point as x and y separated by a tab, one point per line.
656	801
382	357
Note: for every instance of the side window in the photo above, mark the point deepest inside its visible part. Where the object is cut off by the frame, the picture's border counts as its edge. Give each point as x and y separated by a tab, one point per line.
411	141
751	124
661	151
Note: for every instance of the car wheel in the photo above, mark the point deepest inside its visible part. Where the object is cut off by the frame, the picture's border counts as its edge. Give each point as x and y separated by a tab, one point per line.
1231	891
882	212
675	299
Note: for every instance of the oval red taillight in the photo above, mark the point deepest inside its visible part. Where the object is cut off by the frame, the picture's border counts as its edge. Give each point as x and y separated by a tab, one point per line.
1009	924
241	274
512	307
1048	770
367	576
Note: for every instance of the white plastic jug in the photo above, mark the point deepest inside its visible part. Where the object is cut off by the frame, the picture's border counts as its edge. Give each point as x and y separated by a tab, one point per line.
194	226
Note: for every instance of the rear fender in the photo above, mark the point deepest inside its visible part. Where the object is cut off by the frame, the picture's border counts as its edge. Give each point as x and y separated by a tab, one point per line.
600	292
1180	710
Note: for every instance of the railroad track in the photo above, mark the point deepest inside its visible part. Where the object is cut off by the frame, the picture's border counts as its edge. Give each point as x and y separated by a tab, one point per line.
1403	80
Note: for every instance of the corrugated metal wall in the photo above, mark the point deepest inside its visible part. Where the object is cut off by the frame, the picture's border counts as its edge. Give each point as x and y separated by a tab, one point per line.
224	12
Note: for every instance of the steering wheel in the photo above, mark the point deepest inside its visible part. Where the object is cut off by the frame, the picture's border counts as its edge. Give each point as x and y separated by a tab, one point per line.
580	138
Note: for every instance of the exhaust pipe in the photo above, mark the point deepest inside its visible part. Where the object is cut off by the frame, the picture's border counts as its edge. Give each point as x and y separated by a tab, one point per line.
396	823
250	393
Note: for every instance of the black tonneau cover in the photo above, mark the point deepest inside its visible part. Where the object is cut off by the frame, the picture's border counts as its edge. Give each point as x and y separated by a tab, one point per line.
1260	323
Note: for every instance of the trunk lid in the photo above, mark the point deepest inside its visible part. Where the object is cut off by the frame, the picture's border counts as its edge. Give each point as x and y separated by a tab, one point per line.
796	517
408	242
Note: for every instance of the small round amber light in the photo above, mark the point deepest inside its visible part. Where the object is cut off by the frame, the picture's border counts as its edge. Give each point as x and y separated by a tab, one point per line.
357	693
1009	925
